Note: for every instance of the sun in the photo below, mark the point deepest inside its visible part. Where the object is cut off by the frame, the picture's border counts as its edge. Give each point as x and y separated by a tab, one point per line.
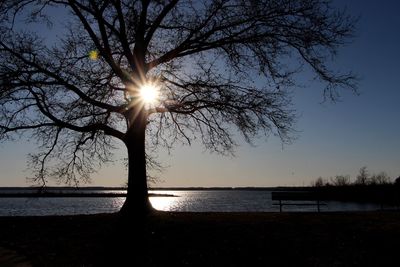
149	93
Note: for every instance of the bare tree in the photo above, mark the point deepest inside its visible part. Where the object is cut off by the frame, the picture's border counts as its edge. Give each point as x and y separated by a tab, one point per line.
216	63
319	182
340	180
381	178
362	177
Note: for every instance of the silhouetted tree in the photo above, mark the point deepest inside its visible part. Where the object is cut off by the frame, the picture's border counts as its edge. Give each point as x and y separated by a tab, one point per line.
380	179
397	181
319	182
362	177
340	180
217	63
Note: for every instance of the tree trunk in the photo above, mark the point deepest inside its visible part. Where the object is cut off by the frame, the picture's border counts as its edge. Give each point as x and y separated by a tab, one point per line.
137	201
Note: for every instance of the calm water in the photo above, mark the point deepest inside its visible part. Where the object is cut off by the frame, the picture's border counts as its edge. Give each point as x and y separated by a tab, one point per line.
194	201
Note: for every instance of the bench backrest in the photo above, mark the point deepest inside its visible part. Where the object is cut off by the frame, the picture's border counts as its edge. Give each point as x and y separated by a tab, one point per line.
294	195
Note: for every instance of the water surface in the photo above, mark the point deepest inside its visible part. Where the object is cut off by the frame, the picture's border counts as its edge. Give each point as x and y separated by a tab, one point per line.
189	201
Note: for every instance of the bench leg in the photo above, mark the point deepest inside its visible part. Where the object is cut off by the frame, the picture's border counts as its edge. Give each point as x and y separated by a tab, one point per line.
280	205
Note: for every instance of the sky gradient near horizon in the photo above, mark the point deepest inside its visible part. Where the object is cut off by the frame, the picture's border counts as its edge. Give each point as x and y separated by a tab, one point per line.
333	139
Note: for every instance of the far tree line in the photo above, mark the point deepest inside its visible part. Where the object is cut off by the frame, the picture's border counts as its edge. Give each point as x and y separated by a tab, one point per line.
363	178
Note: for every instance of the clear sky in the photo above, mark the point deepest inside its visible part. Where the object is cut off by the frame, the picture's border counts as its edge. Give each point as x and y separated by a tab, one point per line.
333	139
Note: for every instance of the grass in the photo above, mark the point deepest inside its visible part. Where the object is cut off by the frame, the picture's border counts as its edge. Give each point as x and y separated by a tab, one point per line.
207	239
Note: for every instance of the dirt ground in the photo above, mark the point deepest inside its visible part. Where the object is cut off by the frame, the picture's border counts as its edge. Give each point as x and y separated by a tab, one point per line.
207	239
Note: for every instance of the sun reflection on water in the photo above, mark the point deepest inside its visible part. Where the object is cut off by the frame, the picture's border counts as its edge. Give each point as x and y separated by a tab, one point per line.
163	203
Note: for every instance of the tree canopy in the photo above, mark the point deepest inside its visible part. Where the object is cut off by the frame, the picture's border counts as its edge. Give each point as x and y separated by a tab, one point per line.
216	64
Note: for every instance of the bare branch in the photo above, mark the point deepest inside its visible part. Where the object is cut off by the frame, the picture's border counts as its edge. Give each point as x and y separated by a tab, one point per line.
220	65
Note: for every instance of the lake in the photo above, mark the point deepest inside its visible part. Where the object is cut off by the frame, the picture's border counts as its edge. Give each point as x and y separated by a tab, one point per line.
184	201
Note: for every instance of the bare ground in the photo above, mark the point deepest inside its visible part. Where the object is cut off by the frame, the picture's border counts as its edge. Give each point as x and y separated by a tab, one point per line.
207	239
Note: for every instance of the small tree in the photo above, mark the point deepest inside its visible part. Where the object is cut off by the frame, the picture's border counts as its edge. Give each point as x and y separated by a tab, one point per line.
397	181
319	182
380	179
362	177
340	180
215	64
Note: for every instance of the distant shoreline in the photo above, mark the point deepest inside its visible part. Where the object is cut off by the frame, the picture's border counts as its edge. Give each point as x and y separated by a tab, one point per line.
381	194
50	188
71	195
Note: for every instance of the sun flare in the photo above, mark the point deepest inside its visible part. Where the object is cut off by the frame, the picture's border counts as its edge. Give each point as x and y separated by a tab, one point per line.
149	93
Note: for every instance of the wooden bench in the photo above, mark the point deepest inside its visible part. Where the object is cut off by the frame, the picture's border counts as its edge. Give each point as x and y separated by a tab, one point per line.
312	198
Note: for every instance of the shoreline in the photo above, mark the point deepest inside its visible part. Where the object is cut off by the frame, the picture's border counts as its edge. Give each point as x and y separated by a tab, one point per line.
72	195
379	194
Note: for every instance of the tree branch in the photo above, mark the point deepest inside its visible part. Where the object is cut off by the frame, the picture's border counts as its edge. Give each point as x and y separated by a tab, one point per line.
88	128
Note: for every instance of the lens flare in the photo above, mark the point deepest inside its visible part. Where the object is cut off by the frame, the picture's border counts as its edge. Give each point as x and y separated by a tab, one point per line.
149	93
94	55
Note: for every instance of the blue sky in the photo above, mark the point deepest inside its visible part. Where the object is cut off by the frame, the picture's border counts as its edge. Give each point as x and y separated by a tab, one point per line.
333	139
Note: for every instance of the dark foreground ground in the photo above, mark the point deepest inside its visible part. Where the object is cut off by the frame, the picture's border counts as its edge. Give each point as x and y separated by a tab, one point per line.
207	239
